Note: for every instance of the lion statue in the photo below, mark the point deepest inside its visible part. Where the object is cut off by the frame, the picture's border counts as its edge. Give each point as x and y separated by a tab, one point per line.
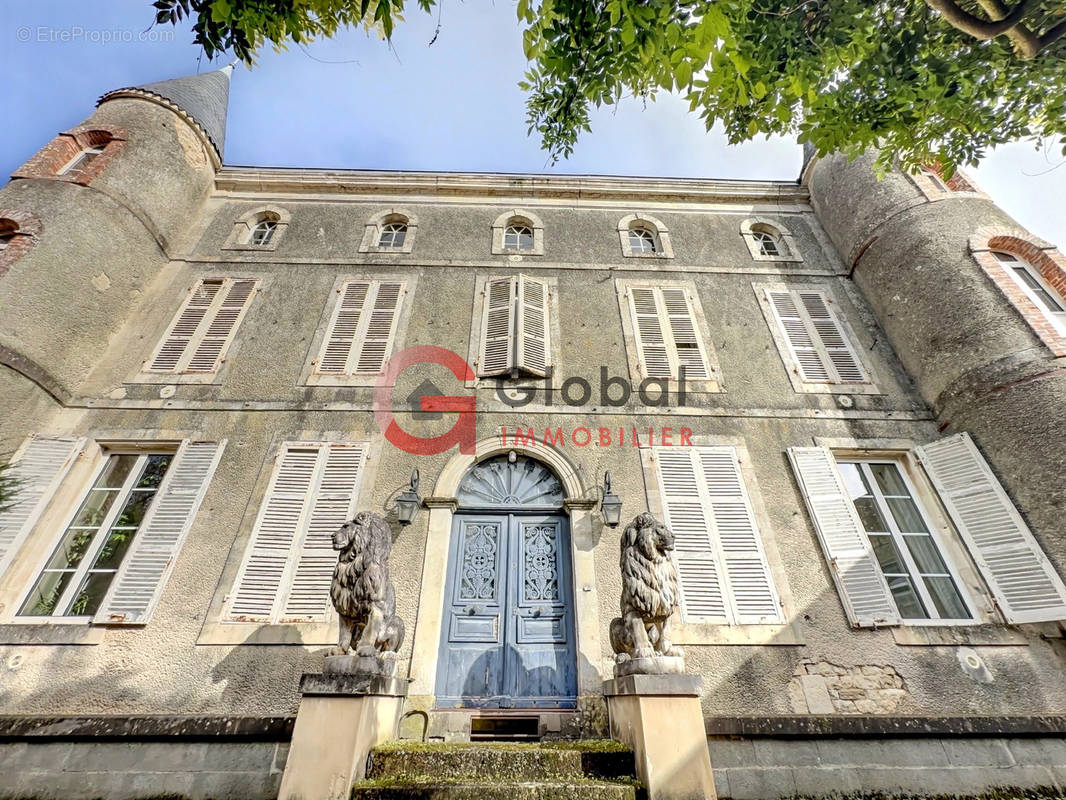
649	592
362	592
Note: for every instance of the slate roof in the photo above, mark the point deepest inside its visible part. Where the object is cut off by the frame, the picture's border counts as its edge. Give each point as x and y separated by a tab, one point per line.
204	97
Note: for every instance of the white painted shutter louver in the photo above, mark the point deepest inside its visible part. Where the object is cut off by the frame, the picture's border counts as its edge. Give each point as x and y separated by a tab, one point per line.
343	327
375	344
816	340
37	471
534	350
140	579
863	590
497	328
1023	581
223	325
721	563
687	343
184	328
652	349
204	327
362	331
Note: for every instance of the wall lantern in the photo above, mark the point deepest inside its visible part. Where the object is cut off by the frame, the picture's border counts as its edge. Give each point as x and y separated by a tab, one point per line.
611	505
408	503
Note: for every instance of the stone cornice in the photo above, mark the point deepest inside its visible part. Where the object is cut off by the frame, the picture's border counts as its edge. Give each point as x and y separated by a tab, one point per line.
277	180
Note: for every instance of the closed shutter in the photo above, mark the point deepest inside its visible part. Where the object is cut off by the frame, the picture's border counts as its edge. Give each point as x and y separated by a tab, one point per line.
37	471
497	328
653	350
362	331
144	571
859	580
205	326
688	346
340	338
534	350
1023	581
289	564
376	343
816	340
721	563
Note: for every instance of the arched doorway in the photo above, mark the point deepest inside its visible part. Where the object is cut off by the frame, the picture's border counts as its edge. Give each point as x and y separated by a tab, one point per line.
507	632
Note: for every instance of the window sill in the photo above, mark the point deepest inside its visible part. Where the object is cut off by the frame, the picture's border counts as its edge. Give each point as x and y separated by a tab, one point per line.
163	378
45	633
697	633
307	634
354	380
648	255
989	635
265	248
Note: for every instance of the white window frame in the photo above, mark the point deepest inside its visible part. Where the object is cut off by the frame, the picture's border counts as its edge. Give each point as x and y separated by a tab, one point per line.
242	233
522	217
263	233
659	232
371	241
752	228
85	154
393	230
1056	318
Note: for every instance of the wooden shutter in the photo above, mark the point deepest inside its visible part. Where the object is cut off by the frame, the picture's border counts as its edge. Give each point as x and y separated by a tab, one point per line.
497	328
534	322
653	350
1023	581
362	330
375	343
816	340
204	327
688	345
37	469
859	580
290	559
721	563
143	573
340	338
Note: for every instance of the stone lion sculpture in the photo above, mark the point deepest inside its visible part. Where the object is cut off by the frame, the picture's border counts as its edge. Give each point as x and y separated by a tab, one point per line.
649	592
362	592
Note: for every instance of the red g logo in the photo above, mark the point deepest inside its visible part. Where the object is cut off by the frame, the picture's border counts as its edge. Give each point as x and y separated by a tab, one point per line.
463	433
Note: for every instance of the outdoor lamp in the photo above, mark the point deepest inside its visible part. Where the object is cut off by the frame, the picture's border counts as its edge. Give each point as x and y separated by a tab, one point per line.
611	504
408	503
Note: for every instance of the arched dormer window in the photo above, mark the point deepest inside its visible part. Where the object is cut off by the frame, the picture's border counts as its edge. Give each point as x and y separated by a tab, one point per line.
259	229
389	231
769	240
78	156
643	236
518	232
18	233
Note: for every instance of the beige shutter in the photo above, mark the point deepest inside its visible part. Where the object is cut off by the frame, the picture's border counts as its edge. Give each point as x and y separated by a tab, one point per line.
860	582
1023	581
497	328
653	347
340	337
534	322
688	345
143	573
205	326
375	341
37	470
816	340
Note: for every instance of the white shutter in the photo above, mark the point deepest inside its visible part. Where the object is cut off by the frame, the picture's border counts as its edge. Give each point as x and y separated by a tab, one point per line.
37	470
375	341
497	328
1023	581
140	579
688	345
340	337
185	325
216	339
534	347
816	340
653	349
860	582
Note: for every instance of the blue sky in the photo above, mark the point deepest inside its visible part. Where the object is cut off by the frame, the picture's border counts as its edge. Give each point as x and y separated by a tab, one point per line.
354	102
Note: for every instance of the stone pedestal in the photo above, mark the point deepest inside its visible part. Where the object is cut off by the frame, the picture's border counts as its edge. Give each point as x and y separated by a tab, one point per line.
659	718
341	717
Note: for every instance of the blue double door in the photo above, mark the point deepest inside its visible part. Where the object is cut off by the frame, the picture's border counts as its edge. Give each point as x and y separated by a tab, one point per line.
507	638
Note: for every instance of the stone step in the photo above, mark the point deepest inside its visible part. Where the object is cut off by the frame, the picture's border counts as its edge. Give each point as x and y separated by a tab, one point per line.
428	788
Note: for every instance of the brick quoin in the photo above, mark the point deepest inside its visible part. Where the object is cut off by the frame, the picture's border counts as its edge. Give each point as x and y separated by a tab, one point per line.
59	152
26	229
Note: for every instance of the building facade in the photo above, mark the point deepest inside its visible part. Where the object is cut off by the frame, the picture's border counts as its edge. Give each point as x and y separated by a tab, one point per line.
842	394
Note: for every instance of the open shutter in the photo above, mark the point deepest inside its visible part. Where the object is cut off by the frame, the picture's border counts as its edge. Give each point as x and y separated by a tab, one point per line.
375	340
860	582
497	328
687	342
1025	585
184	327
37	469
838	350
222	327
337	349
534	351
331	506
750	584
685	506
653	351
144	571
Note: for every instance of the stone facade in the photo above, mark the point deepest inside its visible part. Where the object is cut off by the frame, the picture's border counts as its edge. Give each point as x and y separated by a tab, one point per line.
933	346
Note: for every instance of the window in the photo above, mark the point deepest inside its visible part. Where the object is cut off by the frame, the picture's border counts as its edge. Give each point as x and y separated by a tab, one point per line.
204	327
392	235
721	563
82	159
263	232
643	236
515	335
289	563
8	231
117	550
259	229
641	240
362	329
1034	286
665	332
518	237
767	242
887	558
933	175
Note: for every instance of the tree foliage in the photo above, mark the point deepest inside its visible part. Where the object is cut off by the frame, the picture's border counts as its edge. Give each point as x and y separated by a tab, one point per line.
928	81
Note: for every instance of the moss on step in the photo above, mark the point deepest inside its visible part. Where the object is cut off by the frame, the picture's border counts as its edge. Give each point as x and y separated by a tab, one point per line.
581	745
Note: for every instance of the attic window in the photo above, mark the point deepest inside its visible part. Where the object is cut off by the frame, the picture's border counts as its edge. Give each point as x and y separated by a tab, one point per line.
769	243
8	231
263	232
393	234
83	159
518	237
642	240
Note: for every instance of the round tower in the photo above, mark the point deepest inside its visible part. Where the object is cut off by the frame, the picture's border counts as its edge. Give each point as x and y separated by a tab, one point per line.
95	215
982	351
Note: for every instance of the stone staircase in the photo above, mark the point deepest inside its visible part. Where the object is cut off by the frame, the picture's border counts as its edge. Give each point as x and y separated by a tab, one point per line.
598	769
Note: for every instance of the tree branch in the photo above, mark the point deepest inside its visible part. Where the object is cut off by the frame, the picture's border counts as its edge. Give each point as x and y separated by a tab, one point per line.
1025	42
1053	35
966	22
